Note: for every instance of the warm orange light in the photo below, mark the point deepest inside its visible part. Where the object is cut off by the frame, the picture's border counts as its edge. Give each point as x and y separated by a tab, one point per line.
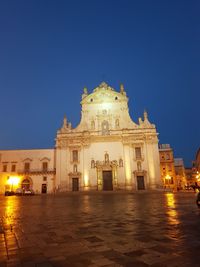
86	180
13	180
168	177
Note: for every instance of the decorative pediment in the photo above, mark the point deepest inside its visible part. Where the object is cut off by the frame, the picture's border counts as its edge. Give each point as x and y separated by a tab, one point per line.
74	174
104	94
45	159
27	159
138	173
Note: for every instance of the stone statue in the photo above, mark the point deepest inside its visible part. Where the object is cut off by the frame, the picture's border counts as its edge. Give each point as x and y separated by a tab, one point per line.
145	115
121	88
85	90
117	123
106	158
140	121
64	122
92	164
120	162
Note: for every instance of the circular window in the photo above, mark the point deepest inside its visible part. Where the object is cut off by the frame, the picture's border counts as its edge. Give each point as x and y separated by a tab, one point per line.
116	98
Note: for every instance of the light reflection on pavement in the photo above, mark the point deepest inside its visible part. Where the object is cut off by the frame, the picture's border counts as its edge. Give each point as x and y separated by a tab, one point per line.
104	229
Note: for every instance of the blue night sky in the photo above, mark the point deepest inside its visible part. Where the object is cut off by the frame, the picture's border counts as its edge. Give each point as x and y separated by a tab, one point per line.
50	50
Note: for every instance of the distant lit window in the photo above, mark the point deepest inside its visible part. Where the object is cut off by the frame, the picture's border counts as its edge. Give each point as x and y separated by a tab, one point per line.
138	153
13	168
75	155
26	166
4	168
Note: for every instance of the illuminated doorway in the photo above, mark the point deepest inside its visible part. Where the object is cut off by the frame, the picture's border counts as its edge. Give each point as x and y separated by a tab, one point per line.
26	184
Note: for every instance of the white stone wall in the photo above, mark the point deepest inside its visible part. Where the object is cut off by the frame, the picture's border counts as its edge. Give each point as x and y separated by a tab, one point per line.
106	127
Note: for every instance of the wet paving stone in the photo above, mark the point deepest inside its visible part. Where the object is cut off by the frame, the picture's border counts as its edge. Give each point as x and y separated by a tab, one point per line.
93	239
155	229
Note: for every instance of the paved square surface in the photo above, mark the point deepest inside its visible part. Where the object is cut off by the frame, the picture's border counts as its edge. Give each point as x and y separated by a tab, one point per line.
100	229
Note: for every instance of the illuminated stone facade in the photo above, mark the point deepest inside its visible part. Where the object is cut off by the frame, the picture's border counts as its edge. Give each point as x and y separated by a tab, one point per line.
167	168
27	169
106	151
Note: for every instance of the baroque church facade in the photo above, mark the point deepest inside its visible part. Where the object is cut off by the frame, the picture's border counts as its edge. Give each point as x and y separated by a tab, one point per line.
106	151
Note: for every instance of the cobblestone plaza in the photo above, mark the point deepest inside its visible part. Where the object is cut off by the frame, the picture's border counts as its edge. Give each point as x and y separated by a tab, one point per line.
100	229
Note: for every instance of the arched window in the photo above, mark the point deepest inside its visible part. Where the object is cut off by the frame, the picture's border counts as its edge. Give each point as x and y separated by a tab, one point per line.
27	166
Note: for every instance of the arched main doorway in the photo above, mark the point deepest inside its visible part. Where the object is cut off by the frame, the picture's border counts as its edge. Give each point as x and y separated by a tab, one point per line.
26	184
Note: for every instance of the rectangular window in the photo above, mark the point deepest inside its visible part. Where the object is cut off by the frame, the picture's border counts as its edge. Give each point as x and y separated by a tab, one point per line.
4	168
26	166
44	178
13	168
44	166
138	153
75	155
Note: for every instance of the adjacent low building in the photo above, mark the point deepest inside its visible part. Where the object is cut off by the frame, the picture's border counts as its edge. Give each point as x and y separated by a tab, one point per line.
167	168
180	173
106	151
27	169
193	173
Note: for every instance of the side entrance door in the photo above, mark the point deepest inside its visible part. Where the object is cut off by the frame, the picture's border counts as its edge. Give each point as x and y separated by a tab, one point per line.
140	183
75	184
44	188
107	181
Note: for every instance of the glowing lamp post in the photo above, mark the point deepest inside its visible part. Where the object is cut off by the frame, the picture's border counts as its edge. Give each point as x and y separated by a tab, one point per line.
13	181
198	177
167	178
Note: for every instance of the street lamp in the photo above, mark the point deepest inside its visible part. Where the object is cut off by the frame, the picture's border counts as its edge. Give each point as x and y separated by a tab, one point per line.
13	181
198	177
168	178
